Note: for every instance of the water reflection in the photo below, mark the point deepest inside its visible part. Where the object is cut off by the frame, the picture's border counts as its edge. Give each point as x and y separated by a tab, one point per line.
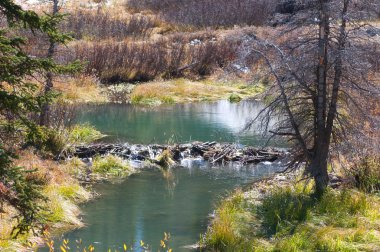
147	204
216	121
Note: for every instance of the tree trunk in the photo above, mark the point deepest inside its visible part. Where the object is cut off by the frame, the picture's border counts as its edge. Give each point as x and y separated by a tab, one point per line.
318	162
318	168
44	116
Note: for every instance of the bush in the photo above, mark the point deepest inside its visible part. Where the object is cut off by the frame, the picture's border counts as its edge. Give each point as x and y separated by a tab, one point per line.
173	56
204	13
105	25
47	140
120	93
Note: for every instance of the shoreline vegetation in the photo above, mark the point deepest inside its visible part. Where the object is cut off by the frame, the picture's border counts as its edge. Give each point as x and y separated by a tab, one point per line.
281	214
65	184
154	93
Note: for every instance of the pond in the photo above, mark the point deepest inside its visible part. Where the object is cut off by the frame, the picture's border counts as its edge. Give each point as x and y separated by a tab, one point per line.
220	121
179	202
150	203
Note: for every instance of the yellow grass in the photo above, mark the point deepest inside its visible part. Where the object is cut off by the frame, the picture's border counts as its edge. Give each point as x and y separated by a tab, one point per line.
82	89
63	193
183	90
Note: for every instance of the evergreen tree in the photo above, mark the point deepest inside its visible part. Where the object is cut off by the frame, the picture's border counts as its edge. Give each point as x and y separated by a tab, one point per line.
19	98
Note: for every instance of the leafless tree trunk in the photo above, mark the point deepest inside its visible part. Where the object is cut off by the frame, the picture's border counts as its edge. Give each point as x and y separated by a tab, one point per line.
321	63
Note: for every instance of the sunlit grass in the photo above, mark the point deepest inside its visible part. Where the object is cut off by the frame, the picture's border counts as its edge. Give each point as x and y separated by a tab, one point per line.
291	219
111	165
84	134
61	207
182	90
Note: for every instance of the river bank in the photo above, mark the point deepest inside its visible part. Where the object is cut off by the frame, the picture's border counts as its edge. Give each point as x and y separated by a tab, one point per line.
87	89
65	190
281	214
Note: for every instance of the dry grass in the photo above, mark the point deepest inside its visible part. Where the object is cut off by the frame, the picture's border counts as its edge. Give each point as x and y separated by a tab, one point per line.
182	90
62	191
81	89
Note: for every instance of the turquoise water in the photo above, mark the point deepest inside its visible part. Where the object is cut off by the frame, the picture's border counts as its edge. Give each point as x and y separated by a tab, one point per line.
217	121
179	202
150	203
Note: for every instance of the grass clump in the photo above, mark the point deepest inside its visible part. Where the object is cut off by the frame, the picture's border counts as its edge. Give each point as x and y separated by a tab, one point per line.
62	209
367	174
234	98
231	225
283	209
290	219
84	134
111	165
165	160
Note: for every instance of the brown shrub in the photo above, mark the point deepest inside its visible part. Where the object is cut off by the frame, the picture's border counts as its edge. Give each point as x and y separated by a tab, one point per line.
204	13
172	56
105	25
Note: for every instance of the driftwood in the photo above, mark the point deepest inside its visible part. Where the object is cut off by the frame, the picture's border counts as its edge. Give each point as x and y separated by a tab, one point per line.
212	152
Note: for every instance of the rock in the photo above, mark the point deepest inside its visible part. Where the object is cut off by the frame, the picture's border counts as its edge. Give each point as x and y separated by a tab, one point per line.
373	31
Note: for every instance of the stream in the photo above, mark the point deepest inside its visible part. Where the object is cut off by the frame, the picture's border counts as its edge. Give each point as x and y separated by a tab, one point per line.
178	201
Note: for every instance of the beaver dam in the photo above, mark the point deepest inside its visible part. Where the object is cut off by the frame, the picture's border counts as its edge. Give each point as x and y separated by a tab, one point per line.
211	152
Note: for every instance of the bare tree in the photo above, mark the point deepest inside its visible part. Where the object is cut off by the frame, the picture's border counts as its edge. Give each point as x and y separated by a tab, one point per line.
322	64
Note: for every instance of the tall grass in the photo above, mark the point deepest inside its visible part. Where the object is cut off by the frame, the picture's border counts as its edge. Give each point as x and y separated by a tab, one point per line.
83	134
231	225
290	219
367	174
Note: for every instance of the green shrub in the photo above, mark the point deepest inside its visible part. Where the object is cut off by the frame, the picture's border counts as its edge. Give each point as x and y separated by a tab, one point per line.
84	134
111	165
